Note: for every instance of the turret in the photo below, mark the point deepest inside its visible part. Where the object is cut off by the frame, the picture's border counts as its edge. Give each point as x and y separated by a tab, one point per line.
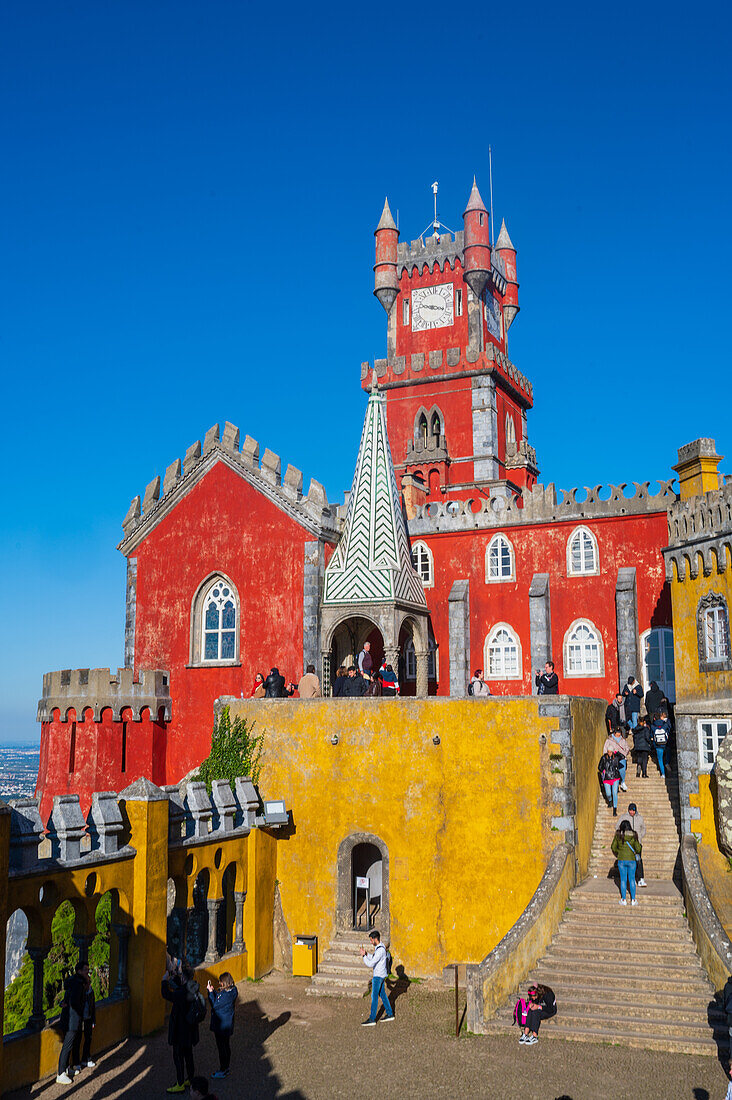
386	282
477	248
507	252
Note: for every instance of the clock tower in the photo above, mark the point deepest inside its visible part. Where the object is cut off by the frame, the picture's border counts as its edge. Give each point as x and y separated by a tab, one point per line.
456	404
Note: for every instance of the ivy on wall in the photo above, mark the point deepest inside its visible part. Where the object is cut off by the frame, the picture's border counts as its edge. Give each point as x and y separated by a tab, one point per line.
235	751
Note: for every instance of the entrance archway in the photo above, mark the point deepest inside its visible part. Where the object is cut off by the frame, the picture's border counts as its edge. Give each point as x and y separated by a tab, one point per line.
363	856
348	640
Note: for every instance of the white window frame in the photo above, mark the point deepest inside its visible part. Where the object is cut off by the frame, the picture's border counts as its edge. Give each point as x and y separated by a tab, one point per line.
708	732
583	673
410	660
198	623
490	642
501	578
425	563
580	532
716	633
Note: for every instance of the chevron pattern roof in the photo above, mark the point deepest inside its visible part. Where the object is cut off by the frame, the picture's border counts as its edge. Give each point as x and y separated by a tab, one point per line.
372	562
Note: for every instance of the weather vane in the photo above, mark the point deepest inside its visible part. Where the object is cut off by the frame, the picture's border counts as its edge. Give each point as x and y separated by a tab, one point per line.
435	225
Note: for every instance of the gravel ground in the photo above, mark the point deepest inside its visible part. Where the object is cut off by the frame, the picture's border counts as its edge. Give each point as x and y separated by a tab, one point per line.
295	1047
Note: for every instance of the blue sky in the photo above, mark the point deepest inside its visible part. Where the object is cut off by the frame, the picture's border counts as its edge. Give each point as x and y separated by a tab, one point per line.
189	194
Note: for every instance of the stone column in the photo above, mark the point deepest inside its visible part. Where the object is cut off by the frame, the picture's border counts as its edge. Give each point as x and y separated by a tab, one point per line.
458	603
37	1019
423	657
83	942
626	612
238	944
540	624
212	952
326	674
122	932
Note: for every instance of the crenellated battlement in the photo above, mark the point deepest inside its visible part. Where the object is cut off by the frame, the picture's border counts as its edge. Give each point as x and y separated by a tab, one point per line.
538	505
700	534
401	370
443	253
99	688
162	493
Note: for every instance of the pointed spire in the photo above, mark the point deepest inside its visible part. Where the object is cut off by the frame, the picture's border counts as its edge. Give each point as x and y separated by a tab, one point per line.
475	202
504	241
386	221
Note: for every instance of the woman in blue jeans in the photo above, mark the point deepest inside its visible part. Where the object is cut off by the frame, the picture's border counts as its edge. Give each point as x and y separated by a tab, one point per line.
660	732
626	848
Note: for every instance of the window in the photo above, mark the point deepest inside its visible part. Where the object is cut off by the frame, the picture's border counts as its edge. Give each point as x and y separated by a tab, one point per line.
423	563
436	426
458	302
657	647
502	660
405	311
510	429
410	661
583	650
582	556
499	560
422	430
712	732
215	622
713	633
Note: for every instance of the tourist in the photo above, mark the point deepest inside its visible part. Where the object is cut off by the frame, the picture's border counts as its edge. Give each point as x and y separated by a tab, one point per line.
339	682
274	685
365	660
389	682
615	742
542	1006
642	745
638	825
660	732
626	847
547	682
374	685
199	1089
378	961
179	986
258	691
87	1027
633	697
477	685
222	1003
72	1016
609	769
309	686
654	699
614	713
354	686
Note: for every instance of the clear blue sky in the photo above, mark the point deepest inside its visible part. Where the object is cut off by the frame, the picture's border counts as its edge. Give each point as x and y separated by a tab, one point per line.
189	193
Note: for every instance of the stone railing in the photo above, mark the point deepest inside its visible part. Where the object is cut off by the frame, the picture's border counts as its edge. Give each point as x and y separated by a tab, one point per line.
99	688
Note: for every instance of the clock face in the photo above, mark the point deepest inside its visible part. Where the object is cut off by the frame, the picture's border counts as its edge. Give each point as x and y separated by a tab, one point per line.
432	307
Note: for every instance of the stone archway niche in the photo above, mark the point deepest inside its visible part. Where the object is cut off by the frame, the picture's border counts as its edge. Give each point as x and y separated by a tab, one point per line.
346	873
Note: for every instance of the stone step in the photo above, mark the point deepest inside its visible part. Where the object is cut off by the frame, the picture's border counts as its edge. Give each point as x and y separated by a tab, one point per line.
666	1019
619	954
617	994
632	937
635	1024
327	967
567	965
672	922
331	986
677	1044
601	902
686	982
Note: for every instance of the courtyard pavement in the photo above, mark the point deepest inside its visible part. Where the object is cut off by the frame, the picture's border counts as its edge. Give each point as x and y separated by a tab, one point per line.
290	1046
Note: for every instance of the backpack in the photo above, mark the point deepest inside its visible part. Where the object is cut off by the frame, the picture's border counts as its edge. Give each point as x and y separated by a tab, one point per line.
197	1009
660	735
389	960
520	1012
470	688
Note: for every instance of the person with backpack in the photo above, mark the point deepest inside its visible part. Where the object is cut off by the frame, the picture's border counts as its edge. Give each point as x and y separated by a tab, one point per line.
179	986
633	697
222	1003
642	746
542	1005
615	742
660	732
609	769
626	849
380	963
477	686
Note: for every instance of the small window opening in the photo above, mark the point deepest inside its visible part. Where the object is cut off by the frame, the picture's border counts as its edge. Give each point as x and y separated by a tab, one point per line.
481	216
405	311
72	749
422	430
458	303
124	747
436	426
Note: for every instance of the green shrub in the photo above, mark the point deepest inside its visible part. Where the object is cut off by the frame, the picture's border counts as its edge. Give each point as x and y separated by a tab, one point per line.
235	751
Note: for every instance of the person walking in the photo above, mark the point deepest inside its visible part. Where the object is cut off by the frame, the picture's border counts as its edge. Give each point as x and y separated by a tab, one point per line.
379	964
179	986
365	660
615	742
626	847
614	713
638	825
72	1016
309	686
547	682
609	769
632	697
642	746
660	732
477	686
223	1001
654	699
88	1020
542	1006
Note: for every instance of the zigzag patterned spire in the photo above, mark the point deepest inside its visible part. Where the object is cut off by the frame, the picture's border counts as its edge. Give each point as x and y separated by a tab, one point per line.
372	562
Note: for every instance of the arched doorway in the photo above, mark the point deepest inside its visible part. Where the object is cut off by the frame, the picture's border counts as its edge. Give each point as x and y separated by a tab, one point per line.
348	640
363	857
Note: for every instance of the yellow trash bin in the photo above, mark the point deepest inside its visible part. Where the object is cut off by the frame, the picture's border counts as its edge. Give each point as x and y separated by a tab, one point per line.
305	956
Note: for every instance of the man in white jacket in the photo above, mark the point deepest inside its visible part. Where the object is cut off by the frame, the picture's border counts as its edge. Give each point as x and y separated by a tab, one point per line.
377	962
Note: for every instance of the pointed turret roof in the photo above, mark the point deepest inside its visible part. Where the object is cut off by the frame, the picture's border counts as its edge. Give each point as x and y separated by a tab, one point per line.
475	202
372	562
504	241
386	221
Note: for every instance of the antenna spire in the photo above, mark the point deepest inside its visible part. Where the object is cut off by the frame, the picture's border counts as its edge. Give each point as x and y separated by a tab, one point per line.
435	225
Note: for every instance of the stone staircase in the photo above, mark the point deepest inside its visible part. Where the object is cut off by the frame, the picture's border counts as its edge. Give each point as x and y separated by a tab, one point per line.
629	975
341	971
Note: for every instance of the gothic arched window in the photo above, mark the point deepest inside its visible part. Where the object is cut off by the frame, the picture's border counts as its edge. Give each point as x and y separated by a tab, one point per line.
583	650
502	657
436	426
499	560
410	660
215	623
423	562
582	556
510	429
422	430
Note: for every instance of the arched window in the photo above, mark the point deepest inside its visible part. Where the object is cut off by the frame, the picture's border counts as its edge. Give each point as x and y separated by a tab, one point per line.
499	560
215	623
422	430
436	426
712	626
583	650
410	660
510	429
423	563
582	556
502	658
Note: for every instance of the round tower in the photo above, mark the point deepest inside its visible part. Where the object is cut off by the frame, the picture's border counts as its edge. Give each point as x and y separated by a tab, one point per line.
386	281
477	246
507	252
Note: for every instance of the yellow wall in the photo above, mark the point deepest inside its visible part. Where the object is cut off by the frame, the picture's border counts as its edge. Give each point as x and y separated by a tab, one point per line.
467	822
691	683
589	736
